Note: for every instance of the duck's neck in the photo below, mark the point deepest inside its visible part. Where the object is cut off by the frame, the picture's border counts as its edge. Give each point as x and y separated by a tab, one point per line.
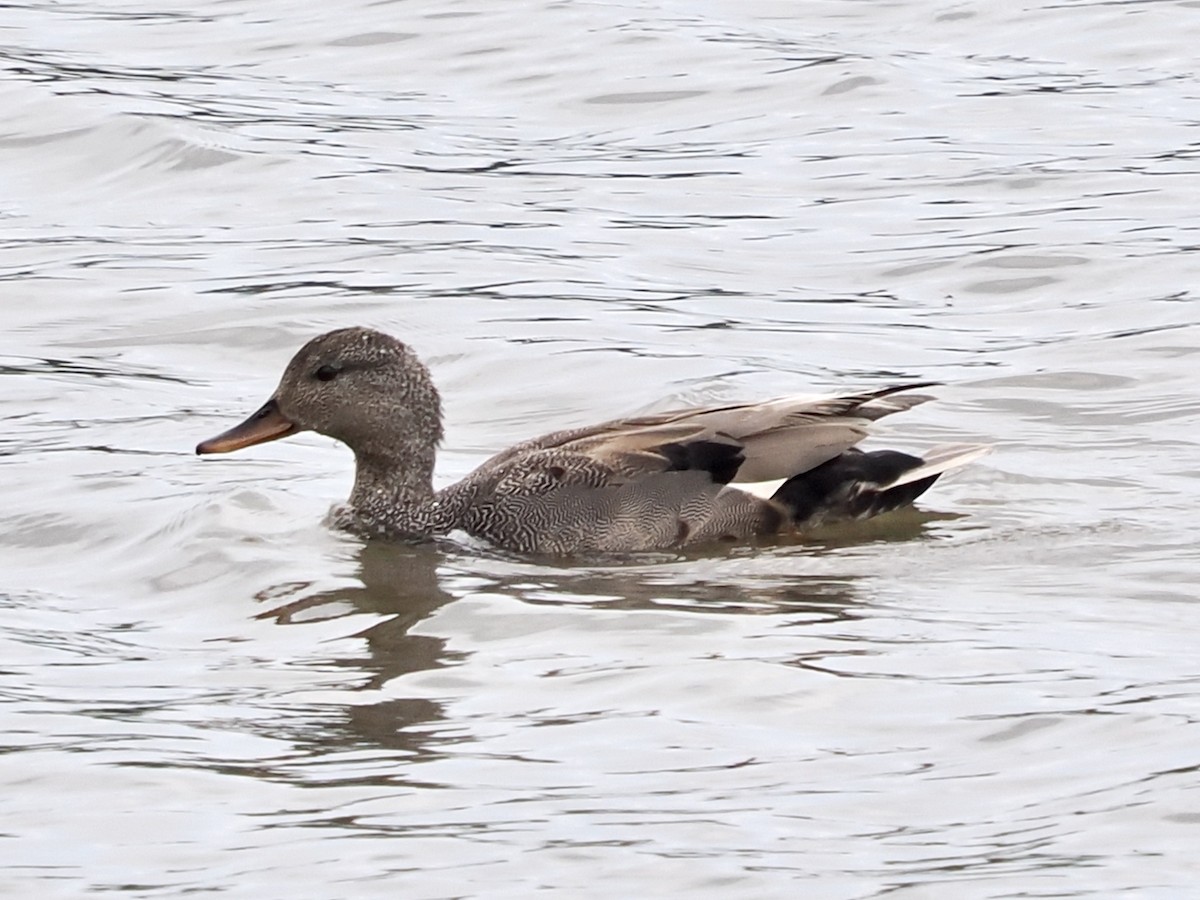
395	491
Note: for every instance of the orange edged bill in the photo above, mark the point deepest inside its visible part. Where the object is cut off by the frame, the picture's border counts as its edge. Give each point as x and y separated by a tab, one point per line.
268	424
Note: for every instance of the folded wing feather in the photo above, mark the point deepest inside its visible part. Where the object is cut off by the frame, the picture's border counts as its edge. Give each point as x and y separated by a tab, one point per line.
778	438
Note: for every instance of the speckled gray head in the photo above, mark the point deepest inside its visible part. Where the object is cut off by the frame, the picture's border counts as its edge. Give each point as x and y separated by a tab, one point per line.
357	385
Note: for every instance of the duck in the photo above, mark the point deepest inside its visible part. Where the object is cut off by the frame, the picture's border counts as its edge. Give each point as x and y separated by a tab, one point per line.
682	478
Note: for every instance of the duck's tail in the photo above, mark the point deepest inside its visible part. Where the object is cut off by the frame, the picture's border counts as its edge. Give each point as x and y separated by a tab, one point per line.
858	484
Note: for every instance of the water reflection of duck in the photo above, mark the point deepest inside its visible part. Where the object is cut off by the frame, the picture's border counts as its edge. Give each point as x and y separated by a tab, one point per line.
400	583
644	483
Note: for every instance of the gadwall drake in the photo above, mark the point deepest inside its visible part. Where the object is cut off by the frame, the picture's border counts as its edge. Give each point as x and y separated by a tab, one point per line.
644	483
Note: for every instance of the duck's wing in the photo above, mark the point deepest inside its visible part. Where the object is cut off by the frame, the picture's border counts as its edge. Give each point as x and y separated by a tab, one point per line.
748	442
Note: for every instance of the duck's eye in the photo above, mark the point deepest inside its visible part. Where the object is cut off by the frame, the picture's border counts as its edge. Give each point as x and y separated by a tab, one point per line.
326	373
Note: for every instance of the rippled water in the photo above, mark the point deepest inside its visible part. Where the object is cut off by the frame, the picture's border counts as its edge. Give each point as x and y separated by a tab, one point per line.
574	211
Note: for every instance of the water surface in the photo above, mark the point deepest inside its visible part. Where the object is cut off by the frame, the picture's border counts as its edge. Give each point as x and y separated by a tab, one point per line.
575	211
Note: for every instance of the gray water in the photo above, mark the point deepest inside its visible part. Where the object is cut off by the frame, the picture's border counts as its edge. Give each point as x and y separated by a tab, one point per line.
575	211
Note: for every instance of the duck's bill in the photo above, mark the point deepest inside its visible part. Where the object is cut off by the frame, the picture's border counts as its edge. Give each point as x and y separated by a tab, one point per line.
268	424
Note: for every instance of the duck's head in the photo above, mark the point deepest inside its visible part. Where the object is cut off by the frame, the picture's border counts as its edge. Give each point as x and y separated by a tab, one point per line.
357	385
